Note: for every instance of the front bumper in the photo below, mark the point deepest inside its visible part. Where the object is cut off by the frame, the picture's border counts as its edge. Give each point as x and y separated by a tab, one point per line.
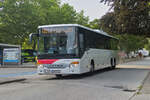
67	70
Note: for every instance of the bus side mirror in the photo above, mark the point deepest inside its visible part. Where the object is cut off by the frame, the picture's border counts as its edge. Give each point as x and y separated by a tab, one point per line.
31	36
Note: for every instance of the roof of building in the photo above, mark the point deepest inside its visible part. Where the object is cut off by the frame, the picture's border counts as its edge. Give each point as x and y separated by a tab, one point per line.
9	45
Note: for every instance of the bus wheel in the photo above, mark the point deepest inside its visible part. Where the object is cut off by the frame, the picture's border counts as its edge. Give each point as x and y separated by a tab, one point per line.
92	67
111	63
58	75
114	65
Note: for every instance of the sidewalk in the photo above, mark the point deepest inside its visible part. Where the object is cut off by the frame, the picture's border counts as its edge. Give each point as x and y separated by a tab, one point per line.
24	65
10	80
144	93
17	78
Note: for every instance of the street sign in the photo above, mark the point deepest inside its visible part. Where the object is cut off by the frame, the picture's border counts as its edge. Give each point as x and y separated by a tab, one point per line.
11	56
1	57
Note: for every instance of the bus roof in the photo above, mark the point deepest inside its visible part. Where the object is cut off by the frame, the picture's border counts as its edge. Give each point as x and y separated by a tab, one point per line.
77	25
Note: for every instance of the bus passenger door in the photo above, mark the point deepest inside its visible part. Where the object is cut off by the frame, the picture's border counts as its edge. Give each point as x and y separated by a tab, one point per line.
84	56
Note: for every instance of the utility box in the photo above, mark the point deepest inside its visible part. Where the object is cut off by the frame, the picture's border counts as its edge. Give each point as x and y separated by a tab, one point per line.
11	56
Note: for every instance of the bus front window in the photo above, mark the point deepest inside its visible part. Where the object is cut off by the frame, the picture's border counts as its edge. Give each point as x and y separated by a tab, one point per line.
58	43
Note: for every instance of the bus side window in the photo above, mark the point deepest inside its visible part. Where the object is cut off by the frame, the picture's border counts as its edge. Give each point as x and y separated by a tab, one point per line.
81	42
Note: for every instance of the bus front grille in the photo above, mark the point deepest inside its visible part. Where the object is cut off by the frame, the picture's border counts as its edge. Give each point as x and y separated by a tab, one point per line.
54	66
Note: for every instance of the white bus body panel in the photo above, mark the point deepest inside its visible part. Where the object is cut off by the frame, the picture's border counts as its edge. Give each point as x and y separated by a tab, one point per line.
101	58
61	66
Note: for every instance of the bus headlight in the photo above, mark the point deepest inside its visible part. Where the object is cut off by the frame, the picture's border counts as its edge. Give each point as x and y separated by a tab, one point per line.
74	64
40	66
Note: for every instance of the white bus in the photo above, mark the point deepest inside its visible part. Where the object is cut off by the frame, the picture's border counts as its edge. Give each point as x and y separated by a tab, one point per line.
74	49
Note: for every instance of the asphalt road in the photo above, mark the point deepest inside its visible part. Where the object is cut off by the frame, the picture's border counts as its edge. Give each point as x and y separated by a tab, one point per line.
118	84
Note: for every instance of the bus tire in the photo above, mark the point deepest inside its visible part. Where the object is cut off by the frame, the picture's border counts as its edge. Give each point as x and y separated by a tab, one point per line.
114	63
111	63
92	67
58	76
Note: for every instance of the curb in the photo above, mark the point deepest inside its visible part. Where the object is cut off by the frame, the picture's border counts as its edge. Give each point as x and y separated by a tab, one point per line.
141	87
21	66
11	81
122	61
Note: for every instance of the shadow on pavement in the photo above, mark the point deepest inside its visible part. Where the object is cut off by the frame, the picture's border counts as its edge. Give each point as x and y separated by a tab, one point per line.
80	76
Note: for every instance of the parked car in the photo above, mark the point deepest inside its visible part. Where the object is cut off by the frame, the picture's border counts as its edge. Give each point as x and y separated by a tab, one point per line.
28	55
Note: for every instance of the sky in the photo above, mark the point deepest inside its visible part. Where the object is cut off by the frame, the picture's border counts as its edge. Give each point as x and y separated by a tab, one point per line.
92	8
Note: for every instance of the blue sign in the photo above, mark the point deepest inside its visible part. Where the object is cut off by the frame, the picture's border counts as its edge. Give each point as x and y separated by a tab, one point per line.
11	61
11	55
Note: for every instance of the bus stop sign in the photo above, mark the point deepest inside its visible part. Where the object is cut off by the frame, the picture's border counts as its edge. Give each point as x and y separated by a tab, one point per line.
11	56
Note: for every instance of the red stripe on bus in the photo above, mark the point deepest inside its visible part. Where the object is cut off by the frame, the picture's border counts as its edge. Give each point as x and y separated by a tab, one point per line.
47	61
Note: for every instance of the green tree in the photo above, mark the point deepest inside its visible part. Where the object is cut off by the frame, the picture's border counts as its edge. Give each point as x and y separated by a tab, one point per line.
147	46
108	23
130	43
81	19
95	24
129	21
130	16
65	14
19	18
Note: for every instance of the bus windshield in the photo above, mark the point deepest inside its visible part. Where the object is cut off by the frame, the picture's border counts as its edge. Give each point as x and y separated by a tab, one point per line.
58	41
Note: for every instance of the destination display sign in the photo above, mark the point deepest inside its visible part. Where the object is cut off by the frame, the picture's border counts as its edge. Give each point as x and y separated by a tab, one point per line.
50	30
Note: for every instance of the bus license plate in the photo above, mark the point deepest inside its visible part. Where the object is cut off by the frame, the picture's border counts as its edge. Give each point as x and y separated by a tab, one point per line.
55	71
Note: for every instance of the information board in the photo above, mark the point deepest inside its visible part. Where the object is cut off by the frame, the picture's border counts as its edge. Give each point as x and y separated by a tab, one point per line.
1	57
11	56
